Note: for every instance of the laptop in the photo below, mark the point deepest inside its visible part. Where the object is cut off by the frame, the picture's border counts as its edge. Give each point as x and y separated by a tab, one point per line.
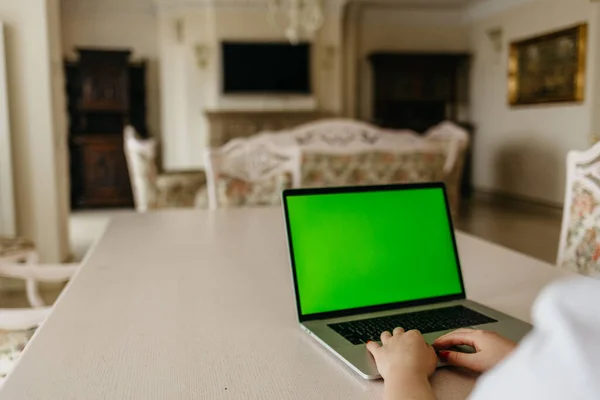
372	258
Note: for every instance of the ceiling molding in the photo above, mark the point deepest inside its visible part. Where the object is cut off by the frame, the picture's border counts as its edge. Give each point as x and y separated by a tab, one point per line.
154	6
477	10
93	7
487	8
260	5
417	4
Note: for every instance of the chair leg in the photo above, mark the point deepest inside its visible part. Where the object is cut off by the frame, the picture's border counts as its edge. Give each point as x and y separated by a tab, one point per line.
31	285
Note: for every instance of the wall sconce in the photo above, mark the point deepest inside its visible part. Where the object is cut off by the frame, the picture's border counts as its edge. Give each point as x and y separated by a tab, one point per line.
495	36
328	57
202	55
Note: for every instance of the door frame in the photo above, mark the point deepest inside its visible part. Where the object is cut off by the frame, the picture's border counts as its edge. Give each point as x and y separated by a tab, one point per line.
7	195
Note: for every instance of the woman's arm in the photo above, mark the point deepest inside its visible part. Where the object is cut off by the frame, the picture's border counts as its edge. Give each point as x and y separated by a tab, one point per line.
408	388
490	349
405	361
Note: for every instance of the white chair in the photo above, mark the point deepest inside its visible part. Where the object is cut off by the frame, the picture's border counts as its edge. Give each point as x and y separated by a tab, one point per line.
154	190
250	172
579	247
17	325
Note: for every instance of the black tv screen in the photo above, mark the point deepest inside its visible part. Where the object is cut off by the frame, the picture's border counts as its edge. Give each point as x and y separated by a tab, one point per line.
266	68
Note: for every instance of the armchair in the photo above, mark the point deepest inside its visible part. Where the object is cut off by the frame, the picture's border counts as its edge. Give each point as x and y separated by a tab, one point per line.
152	190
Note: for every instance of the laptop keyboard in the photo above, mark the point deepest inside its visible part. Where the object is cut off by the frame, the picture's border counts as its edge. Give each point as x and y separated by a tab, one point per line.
439	319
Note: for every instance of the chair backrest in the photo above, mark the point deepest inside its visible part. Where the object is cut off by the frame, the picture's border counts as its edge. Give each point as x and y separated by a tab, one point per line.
143	172
250	172
344	136
579	247
347	152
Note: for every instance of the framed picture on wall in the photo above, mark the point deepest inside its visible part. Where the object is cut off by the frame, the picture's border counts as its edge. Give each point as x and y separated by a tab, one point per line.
548	68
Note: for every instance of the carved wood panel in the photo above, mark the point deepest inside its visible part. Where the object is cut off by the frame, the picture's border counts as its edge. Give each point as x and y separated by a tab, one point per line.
106	181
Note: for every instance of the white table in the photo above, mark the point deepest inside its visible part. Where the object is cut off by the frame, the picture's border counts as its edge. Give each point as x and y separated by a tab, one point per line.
199	305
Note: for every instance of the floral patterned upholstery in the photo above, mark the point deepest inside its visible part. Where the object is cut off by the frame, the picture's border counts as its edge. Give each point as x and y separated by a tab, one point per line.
181	189
235	192
582	242
11	246
339	152
12	344
250	172
370	168
152	190
335	152
579	248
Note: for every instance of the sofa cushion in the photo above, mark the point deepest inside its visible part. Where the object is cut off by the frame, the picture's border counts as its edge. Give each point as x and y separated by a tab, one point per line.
371	168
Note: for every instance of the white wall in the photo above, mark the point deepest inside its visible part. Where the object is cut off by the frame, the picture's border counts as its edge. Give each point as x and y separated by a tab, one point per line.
189	90
131	28
39	146
400	29
522	150
173	107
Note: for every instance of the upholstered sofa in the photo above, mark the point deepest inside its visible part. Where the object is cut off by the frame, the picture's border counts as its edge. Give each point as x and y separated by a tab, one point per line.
339	152
336	152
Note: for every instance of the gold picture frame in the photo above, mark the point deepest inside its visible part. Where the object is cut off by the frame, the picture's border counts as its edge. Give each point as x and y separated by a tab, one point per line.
550	68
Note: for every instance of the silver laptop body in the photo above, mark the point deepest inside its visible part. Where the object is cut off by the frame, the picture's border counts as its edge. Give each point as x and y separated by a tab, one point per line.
307	215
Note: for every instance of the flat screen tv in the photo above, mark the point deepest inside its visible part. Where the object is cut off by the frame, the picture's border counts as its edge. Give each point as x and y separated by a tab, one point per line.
266	68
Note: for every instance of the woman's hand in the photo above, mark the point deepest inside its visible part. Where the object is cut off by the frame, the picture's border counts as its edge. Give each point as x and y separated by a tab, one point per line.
490	348
403	354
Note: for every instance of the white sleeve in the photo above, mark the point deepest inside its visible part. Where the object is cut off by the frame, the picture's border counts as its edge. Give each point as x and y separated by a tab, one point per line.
560	358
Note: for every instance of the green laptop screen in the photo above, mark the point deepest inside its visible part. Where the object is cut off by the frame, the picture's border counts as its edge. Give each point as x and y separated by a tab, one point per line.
371	248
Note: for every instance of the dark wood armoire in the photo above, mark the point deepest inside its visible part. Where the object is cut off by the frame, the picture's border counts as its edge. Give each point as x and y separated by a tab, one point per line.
105	91
419	90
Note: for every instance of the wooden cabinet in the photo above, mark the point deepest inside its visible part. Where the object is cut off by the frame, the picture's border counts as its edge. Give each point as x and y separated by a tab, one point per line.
417	91
105	182
104	81
105	92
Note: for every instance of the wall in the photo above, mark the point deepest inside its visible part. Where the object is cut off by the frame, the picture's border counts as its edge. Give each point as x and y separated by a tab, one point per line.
522	150
39	147
176	137
387	28
190	89
116	26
